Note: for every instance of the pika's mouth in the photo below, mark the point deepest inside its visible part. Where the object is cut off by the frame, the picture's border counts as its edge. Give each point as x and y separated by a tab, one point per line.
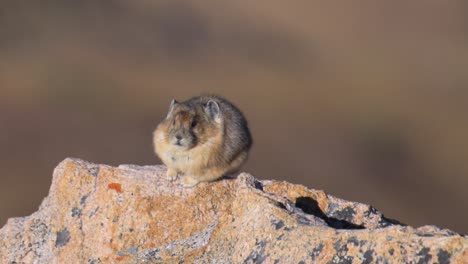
180	144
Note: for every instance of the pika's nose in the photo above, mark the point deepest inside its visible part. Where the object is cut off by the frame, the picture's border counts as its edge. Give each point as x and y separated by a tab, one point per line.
178	137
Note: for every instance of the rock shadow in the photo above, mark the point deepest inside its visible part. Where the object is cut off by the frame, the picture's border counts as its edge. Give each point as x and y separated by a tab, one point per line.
310	206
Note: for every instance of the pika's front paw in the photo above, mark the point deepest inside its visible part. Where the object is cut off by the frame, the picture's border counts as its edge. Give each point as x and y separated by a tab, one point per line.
189	181
171	174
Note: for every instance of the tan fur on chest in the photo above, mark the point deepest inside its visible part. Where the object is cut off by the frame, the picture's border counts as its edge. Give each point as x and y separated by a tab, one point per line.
189	161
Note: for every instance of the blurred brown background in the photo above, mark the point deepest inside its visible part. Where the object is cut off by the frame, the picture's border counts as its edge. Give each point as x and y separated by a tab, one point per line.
367	101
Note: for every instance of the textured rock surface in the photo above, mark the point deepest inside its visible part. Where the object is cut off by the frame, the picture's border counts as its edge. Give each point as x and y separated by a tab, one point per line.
131	214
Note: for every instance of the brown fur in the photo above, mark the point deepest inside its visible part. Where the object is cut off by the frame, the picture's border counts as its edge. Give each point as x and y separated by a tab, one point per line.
203	138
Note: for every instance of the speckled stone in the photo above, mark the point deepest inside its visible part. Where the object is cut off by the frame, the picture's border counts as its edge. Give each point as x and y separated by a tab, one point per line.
132	214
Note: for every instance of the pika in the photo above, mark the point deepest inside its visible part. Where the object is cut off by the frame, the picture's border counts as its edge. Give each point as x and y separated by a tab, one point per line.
203	138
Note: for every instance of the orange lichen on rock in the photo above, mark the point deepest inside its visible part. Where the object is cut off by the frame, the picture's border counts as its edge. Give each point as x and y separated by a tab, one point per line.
151	245
115	186
120	258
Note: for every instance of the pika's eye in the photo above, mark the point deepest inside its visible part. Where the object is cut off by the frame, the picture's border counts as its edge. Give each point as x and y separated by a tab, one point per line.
194	123
173	122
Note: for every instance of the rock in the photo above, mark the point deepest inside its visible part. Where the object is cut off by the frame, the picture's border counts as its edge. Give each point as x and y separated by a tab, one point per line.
132	214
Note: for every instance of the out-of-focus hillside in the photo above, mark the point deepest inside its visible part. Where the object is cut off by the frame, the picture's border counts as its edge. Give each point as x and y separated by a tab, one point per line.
368	102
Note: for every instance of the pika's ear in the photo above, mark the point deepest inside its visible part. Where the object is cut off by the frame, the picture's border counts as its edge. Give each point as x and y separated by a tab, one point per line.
174	103
212	110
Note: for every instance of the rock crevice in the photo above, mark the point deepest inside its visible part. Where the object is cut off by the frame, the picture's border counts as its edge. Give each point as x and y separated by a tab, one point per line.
131	214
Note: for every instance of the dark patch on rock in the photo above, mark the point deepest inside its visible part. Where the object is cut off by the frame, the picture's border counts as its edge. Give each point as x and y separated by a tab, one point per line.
280	205
384	222
368	257
131	251
353	240
371	211
93	212
76	212
346	214
258	185
342	224
316	251
402	250
83	199
391	251
63	236
257	256
341	260
116	219
451	233
94	171
280	237
340	248
94	261
381	259
301	262
310	206
152	254
278	224
424	254
443	257
341	253
303	220
424	235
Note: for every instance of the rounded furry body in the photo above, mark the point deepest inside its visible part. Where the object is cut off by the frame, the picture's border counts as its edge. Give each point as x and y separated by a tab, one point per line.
203	138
